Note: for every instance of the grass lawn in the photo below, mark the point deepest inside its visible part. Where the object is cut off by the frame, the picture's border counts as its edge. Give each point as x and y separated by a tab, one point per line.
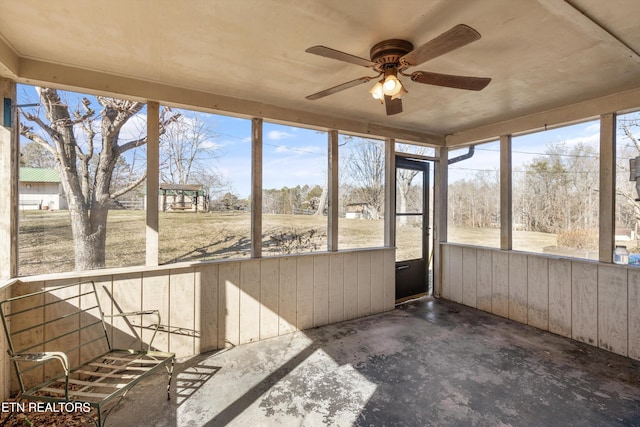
46	245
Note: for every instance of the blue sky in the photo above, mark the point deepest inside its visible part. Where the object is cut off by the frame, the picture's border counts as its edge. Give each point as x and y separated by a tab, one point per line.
297	156
525	148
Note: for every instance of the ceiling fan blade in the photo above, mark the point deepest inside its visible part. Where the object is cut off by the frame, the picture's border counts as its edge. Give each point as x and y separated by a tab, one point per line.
340	87
340	56
458	36
393	106
448	80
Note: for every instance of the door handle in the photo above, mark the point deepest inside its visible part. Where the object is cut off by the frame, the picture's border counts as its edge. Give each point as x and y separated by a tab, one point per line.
402	267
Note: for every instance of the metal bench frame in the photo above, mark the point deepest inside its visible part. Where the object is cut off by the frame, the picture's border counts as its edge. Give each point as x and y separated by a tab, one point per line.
97	381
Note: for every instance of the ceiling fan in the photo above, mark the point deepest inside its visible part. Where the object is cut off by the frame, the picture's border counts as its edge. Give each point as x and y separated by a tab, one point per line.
391	58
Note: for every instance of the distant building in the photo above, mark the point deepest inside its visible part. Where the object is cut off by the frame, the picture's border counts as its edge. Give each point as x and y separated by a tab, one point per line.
41	188
360	211
181	197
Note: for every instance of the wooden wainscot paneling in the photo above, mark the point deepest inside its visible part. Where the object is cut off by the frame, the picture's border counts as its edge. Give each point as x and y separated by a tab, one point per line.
336	288
364	283
518	287
24	321
445	252
229	304
269	297
127	296
484	279
350	285
538	292
305	292
206	290
455	273
320	290
389	279
5	368
560	297
377	281
584	302
181	312
500	284
155	296
287	310
59	304
612	309
469	274
634	313
249	301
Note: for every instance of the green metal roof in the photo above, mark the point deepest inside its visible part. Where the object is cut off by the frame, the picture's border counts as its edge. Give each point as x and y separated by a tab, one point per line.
39	175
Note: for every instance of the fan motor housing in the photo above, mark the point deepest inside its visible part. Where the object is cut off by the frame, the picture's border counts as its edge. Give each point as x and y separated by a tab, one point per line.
387	53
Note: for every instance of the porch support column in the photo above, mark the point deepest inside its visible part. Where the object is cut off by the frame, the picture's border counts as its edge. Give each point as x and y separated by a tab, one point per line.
390	193
440	211
332	188
9	175
506	211
256	188
153	179
607	187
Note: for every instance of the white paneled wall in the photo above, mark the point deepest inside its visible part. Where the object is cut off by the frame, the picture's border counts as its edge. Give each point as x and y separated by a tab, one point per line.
595	303
208	306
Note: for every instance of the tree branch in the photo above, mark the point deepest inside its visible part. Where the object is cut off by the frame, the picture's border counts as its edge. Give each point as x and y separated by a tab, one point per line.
129	187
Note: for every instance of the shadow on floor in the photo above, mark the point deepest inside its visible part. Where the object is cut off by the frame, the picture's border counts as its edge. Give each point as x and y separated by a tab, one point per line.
429	362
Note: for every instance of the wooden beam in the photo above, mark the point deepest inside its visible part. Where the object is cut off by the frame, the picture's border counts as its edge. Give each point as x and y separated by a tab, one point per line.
440	211
256	188
65	77
573	113
506	211
390	193
153	178
332	188
9	175
607	187
9	61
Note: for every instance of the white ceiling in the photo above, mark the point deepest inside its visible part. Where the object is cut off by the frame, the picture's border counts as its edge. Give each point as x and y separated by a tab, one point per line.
541	54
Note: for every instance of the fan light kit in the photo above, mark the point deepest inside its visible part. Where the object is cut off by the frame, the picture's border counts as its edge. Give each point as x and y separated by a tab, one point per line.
391	58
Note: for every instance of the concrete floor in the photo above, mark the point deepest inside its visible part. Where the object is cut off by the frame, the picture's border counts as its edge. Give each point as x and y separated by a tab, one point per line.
429	362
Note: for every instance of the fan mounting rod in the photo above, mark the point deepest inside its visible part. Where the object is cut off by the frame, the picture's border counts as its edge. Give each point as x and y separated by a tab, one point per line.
387	53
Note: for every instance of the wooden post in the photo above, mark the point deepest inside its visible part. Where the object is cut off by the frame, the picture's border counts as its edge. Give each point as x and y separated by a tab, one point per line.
607	187
506	214
440	210
332	186
390	193
256	188
9	175
153	178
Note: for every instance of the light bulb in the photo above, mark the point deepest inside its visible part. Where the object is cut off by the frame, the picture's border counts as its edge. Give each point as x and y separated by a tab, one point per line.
377	91
392	85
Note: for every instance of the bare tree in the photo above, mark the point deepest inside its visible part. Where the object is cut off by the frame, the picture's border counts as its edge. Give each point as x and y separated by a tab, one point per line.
187	151
627	207
86	165
404	180
365	167
34	155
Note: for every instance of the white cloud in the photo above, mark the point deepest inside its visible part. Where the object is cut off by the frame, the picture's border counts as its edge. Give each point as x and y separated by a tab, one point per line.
276	135
210	145
595	127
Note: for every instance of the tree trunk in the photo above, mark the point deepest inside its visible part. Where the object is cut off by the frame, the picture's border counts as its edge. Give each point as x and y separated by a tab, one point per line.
323	201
